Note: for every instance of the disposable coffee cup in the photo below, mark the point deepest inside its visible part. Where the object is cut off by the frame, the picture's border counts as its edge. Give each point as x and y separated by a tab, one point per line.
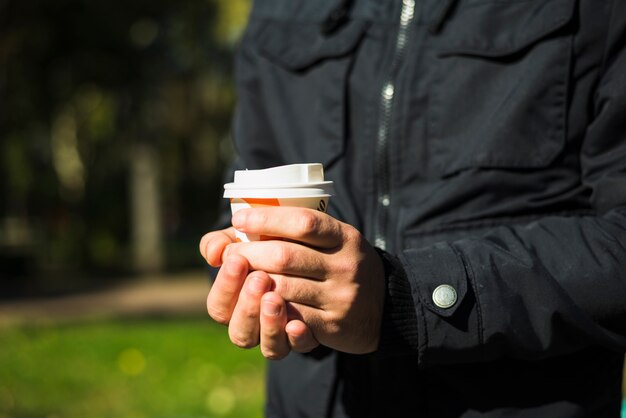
300	185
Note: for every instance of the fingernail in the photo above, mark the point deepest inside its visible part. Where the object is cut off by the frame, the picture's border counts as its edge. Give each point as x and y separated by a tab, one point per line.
271	309
225	252
296	337
234	268
258	285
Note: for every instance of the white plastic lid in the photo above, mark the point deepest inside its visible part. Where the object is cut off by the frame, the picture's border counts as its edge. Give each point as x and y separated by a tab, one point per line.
300	176
280	193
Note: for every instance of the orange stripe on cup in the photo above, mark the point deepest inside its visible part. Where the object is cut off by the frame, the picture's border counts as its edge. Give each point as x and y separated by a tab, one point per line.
257	203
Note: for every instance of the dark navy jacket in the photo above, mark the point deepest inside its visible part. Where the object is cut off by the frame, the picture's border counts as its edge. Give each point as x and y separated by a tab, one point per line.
482	145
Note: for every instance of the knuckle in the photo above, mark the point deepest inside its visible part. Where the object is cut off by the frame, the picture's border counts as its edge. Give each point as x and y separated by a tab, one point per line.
308	223
334	328
352	235
345	298
346	266
331	323
272	333
250	312
282	258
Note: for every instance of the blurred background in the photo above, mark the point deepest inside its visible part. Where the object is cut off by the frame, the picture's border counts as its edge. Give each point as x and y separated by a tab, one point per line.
114	132
114	125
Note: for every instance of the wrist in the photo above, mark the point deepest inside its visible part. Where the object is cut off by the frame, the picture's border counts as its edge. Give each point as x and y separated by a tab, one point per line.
399	333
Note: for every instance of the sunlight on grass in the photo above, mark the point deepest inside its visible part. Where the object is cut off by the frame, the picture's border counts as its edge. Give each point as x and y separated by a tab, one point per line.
131	361
129	369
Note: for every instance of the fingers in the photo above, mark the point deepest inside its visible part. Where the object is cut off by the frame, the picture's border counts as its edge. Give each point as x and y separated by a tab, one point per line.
266	320
224	293
244	327
274	341
300	337
299	224
298	290
282	257
212	245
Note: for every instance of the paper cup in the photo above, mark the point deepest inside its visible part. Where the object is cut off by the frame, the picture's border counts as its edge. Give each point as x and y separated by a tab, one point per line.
300	185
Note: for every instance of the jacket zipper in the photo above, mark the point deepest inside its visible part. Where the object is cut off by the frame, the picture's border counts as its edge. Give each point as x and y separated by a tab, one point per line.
383	183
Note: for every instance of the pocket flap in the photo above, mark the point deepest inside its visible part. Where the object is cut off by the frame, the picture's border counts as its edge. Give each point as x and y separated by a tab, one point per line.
501	28
296	46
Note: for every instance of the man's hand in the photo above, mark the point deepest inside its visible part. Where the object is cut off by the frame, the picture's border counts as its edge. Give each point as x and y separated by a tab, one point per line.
327	272
243	302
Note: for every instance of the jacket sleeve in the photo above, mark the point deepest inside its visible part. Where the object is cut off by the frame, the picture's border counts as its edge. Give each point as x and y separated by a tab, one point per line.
550	287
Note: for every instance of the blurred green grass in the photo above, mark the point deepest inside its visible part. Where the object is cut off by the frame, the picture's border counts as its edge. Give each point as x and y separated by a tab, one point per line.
139	368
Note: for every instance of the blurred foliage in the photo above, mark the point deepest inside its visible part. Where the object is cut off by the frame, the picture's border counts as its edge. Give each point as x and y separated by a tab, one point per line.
83	83
131	368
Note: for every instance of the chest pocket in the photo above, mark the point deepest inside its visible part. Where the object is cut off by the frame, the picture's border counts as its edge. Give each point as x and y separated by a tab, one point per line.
304	76
498	97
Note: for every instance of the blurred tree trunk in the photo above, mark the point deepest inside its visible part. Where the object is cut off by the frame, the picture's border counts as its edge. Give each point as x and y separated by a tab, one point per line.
147	233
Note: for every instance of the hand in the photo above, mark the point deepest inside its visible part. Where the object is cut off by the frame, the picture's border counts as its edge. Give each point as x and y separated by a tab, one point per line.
326	271
236	300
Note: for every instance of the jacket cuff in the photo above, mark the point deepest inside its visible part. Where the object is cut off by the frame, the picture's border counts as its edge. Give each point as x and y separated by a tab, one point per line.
398	335
449	324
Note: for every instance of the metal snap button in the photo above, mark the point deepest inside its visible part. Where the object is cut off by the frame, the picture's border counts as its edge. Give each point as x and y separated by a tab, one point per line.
444	296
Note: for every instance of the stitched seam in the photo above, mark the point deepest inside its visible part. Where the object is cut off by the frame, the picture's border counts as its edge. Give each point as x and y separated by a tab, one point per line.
472	279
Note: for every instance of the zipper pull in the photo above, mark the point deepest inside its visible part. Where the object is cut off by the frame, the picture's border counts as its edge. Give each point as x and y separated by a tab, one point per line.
336	17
